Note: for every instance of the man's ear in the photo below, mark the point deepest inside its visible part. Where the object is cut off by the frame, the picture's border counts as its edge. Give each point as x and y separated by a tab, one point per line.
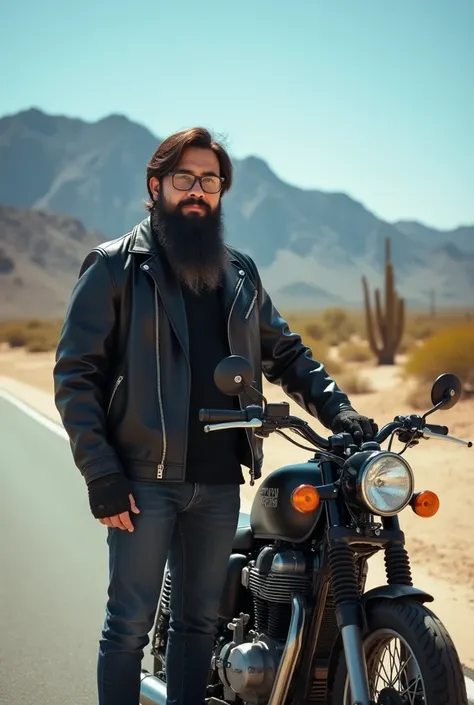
154	185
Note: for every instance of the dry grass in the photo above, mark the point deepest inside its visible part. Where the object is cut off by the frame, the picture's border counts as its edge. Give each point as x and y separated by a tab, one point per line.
343	328
448	350
351	382
355	352
32	334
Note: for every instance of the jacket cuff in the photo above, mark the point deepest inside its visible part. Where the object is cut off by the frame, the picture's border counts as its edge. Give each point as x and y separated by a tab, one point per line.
100	467
330	411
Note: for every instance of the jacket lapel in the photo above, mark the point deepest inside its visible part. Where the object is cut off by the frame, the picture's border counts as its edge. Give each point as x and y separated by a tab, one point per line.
233	279
143	242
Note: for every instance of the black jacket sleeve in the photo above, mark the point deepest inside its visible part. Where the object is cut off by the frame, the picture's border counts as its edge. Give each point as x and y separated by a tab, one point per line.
287	361
81	370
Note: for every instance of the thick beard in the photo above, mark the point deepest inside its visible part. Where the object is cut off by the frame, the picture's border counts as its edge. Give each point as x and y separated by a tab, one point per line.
194	244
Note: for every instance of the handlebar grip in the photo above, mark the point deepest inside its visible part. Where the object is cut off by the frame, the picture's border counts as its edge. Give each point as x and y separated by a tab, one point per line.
435	428
220	415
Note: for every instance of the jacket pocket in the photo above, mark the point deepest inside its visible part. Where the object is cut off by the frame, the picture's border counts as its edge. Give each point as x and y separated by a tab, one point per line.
115	389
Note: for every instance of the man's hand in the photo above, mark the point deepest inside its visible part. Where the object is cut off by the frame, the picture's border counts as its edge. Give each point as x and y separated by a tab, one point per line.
110	501
122	521
360	427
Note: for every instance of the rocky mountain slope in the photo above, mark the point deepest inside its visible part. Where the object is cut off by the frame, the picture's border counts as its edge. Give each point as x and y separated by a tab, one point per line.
312	247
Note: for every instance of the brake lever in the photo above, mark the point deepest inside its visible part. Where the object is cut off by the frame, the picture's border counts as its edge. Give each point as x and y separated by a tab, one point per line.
430	434
253	423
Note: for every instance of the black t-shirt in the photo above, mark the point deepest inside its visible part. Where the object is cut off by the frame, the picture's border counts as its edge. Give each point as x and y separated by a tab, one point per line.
214	457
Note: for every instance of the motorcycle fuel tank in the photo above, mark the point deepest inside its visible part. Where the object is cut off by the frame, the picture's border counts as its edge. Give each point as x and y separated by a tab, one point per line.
273	516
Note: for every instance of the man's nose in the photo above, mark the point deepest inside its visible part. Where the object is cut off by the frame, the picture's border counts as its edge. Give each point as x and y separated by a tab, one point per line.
196	190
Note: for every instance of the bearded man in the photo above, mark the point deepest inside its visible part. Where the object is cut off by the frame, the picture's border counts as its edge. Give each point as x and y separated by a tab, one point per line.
150	316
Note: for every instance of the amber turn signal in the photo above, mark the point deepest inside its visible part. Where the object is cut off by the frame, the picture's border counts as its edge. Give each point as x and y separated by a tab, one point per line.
425	504
305	499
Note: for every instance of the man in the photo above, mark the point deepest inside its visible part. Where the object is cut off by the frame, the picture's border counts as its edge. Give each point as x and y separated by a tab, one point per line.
150	316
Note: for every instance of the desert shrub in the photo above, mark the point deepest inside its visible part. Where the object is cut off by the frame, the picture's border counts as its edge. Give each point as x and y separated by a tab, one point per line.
355	352
419	396
406	345
34	324
40	344
423	331
29	333
314	331
354	383
16	337
449	350
338	325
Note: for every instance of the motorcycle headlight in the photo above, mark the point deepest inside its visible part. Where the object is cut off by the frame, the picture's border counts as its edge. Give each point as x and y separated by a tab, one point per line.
385	483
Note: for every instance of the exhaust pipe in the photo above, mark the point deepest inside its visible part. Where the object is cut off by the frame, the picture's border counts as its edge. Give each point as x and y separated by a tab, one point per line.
152	689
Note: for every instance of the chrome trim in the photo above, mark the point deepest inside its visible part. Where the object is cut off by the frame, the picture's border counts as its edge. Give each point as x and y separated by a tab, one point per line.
290	654
356	664
152	689
253	423
366	467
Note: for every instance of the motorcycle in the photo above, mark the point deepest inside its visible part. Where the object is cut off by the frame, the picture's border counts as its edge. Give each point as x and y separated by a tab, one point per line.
295	622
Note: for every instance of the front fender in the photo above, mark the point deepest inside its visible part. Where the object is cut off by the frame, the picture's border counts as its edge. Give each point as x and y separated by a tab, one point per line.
387	592
395	592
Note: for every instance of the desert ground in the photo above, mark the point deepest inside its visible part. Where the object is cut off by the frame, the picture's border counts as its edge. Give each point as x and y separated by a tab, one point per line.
441	548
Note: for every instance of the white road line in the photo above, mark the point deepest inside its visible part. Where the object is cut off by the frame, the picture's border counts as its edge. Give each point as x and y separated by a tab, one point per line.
29	411
60	431
470	689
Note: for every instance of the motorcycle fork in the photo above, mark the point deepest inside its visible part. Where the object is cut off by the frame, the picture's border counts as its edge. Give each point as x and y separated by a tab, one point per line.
350	614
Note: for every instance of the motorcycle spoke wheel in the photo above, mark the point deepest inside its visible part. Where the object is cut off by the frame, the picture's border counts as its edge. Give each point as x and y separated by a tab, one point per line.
410	657
394	674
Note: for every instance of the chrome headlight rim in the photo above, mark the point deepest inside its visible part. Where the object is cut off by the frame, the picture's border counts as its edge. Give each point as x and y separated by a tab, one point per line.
375	457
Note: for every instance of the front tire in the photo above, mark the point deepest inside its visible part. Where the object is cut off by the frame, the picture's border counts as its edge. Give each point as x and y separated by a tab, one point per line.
430	670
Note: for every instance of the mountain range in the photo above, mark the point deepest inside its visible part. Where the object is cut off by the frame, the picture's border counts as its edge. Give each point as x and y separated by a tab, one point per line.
66	184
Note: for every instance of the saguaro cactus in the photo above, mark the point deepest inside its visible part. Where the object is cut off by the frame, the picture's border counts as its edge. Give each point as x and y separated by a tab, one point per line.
390	323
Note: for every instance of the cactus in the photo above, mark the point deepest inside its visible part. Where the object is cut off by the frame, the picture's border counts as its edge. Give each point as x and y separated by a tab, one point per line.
390	323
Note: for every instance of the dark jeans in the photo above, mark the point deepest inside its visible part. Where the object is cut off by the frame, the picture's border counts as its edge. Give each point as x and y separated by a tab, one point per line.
196	524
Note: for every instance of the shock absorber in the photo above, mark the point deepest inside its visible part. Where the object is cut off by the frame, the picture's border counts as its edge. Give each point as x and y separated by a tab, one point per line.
343	573
397	565
344	584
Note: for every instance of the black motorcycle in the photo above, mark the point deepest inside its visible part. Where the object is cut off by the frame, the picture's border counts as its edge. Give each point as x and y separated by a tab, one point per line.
296	624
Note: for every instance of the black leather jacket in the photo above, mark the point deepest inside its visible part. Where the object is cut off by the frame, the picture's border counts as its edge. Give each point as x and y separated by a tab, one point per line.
122	376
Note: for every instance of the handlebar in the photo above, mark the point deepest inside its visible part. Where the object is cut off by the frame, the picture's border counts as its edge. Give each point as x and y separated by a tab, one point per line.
253	417
221	415
440	430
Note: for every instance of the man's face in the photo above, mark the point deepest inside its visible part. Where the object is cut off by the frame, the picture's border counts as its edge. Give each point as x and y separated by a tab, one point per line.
188	222
193	200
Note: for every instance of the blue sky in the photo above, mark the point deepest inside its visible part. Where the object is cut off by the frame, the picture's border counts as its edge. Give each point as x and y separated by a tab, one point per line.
371	97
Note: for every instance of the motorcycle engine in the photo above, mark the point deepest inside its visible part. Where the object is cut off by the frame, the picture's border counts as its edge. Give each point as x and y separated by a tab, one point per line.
248	665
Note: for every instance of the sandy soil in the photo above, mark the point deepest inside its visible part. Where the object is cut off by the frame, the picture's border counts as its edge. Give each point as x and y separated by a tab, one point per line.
441	548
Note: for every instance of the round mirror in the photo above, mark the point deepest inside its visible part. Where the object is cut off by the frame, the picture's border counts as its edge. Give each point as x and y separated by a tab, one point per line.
447	388
233	374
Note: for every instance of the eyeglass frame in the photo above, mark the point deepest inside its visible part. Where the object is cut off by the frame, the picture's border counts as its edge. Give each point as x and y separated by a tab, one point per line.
197	178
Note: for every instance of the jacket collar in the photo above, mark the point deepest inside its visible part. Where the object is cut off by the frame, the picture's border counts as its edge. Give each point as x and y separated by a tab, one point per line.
143	242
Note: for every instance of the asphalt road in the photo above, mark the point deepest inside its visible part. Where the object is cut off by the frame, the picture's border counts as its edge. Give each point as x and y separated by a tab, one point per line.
53	578
53	559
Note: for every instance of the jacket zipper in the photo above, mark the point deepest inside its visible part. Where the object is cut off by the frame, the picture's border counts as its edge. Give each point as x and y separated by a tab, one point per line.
117	384
252	304
237	292
160	468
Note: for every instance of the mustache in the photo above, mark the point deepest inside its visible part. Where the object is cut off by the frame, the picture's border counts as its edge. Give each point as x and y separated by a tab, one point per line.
195	202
